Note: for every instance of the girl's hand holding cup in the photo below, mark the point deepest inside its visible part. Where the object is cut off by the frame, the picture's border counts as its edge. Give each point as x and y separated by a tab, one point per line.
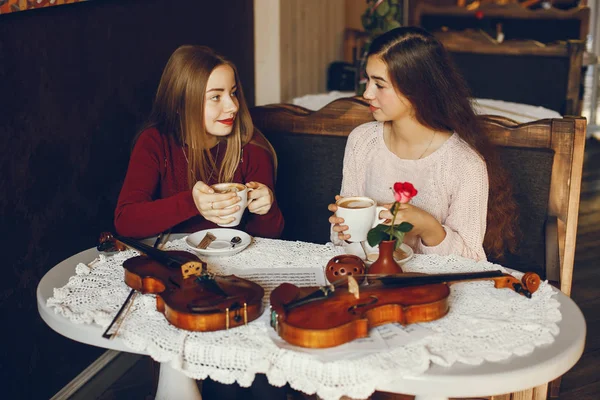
215	207
338	221
358	214
260	198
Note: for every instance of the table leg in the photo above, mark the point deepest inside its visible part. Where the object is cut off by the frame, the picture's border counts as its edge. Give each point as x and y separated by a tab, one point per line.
175	385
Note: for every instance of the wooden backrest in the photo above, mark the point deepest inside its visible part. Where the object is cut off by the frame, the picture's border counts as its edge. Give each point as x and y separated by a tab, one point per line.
310	150
565	139
544	159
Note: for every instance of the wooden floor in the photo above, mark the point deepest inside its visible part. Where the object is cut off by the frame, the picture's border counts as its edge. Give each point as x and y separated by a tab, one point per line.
583	381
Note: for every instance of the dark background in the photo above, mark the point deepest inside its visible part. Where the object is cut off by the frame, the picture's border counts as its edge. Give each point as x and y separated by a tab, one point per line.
76	82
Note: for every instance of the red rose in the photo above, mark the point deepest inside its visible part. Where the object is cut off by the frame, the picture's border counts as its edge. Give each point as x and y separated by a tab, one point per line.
404	191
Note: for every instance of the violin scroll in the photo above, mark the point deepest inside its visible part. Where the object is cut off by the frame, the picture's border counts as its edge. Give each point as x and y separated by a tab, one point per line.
531	281
107	243
528	285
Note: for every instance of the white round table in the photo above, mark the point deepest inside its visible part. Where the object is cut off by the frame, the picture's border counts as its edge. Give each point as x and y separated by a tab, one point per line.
515	374
460	380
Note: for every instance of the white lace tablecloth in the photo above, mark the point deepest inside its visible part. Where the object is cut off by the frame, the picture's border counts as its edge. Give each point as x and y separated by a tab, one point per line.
484	323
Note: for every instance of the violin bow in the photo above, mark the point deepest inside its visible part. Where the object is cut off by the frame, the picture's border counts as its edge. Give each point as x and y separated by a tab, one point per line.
126	306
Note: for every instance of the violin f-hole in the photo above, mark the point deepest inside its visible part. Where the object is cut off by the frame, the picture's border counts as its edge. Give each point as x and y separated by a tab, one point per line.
353	308
236	307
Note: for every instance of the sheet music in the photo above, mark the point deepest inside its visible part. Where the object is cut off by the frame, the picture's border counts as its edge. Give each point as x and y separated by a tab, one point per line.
270	278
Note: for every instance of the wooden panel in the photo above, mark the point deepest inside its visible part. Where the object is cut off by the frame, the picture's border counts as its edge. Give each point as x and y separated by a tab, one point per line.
312	34
523	395
354	11
540	392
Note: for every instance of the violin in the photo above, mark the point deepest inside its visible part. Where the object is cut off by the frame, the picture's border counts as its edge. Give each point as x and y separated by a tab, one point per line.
188	295
330	316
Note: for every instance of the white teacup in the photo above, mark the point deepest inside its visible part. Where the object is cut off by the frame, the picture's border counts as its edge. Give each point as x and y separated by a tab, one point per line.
242	191
360	215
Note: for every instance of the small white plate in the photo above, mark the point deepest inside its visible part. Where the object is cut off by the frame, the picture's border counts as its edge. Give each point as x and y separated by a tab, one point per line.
372	257
221	246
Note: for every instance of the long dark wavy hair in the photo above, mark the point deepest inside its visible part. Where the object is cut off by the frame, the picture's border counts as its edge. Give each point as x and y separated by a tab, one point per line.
421	70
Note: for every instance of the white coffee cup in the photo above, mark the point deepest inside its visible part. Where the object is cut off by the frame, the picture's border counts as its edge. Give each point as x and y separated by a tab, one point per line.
360	215
242	192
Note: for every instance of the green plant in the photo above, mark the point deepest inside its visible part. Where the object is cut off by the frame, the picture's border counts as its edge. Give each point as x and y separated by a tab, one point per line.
382	16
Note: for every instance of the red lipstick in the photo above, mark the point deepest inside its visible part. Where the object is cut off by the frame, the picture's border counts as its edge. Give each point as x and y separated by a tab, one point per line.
227	122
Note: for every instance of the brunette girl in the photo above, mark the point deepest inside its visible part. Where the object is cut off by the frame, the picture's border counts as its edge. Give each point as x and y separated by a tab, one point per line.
199	133
427	133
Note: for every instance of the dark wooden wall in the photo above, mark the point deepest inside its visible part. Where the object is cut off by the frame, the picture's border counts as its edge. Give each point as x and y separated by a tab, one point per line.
76	81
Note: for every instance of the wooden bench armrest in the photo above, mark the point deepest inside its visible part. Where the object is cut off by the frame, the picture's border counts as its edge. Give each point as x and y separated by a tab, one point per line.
552	252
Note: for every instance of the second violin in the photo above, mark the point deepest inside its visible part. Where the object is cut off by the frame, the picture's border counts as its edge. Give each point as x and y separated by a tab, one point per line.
331	316
190	297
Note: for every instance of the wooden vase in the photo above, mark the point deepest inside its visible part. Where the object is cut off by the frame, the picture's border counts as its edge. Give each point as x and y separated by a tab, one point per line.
386	264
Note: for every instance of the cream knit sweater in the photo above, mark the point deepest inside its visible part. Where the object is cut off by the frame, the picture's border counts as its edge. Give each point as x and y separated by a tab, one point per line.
452	183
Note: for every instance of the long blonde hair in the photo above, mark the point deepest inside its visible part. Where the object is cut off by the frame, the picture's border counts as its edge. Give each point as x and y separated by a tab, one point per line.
178	111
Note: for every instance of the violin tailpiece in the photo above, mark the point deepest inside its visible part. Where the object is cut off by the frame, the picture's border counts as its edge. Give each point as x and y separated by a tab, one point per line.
192	268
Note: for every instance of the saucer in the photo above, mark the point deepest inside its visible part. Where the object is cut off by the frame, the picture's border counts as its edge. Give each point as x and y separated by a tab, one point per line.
221	246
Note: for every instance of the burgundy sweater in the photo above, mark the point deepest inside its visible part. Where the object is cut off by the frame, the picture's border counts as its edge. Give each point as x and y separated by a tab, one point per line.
156	196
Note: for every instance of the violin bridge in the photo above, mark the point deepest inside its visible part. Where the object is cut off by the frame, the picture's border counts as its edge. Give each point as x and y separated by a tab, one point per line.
191	268
353	287
227	318
245	314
